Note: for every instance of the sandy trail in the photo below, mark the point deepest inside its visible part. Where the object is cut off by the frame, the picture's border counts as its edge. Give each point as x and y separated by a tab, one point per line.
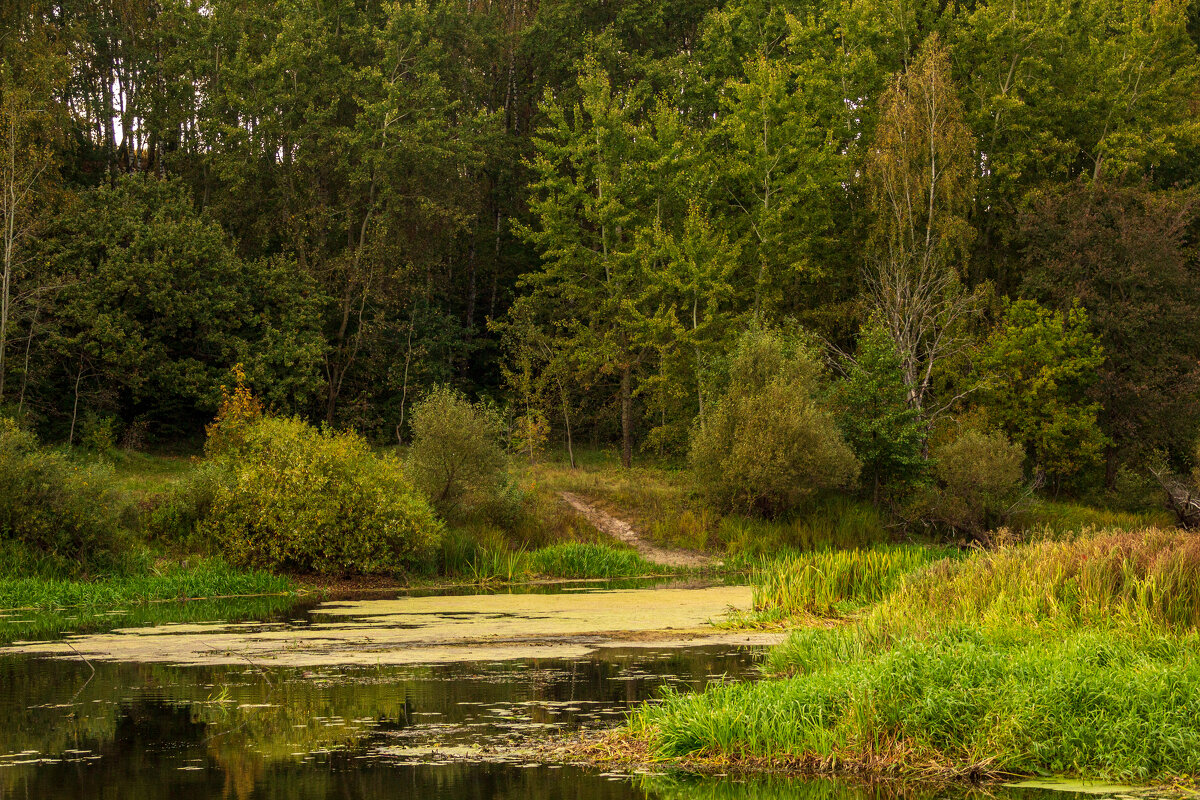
625	532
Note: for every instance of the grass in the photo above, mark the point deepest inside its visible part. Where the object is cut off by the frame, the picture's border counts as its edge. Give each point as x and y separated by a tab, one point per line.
1055	518
963	702
582	560
139	475
46	623
1076	657
1149	577
828	523
37	607
827	582
659	500
566	560
205	579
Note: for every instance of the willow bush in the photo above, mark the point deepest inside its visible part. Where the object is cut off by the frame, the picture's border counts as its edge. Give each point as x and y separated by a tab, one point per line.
300	498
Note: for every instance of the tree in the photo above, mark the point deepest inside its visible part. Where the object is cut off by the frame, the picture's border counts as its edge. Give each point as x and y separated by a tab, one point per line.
778	167
30	129
597	287
155	307
1037	368
882	429
1125	254
919	177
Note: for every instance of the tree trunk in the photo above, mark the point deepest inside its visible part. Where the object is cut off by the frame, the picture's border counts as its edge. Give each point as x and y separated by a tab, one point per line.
25	372
626	417
562	390
412	320
75	408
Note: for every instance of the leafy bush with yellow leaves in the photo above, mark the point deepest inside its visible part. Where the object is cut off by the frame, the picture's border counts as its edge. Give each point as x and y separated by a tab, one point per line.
295	497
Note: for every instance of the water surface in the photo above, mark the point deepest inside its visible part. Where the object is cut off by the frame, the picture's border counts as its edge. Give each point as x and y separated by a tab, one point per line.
245	728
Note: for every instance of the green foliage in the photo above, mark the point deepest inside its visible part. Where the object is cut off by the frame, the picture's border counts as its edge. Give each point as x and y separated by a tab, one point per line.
98	432
979	478
883	430
173	516
298	498
156	305
1037	368
1124	254
60	512
456	458
586	560
827	581
769	443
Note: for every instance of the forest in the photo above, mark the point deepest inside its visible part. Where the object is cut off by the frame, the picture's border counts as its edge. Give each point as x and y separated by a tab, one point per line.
968	215
465	373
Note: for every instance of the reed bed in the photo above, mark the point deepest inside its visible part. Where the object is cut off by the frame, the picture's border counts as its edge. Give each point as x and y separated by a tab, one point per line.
1150	576
822	582
1078	658
205	579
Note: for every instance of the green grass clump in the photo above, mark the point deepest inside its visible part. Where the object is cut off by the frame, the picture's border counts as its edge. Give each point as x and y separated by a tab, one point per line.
1057	519
583	560
1150	576
824	581
1077	657
208	578
1119	707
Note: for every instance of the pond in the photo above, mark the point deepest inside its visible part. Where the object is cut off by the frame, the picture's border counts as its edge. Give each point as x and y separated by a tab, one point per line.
231	712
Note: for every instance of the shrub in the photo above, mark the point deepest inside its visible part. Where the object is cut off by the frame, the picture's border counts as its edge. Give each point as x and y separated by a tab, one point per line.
980	476
768	443
456	459
884	431
62	513
173	516
98	432
239	410
295	497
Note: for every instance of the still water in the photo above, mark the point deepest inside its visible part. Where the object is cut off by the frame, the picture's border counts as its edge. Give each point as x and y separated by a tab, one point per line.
73	729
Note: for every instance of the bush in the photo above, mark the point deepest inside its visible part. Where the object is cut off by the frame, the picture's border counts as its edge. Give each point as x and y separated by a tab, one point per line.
885	432
173	516
62	513
98	432
768	443
980	476
291	496
456	459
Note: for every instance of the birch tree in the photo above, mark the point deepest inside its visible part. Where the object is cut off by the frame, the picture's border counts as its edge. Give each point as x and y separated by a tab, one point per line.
920	185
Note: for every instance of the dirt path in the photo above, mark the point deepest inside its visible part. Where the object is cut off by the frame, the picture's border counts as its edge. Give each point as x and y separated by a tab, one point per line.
620	529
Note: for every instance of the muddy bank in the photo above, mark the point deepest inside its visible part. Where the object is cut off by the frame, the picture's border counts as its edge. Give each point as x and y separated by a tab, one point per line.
436	629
